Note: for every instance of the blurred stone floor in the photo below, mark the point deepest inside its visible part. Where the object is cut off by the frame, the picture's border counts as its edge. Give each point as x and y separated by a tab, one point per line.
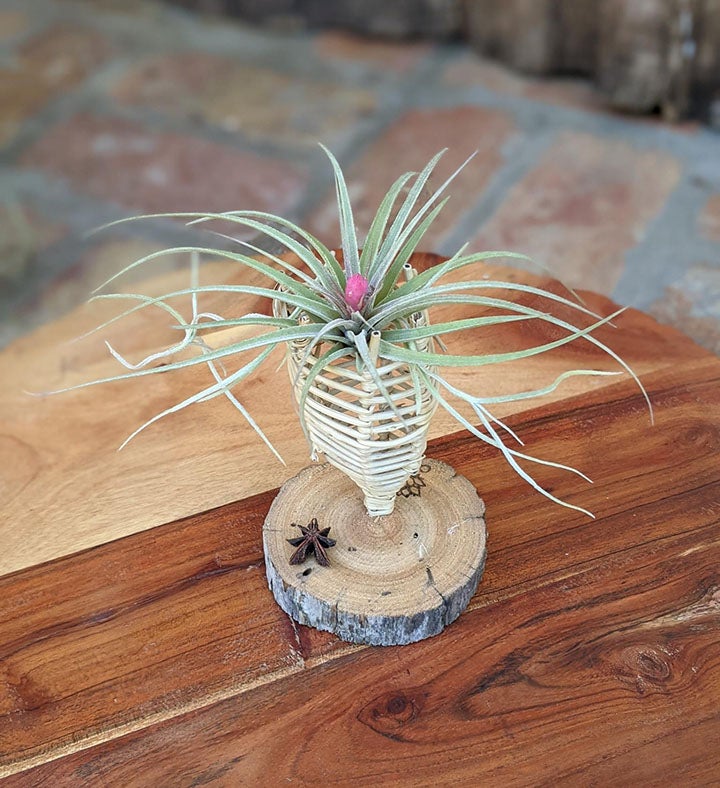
109	109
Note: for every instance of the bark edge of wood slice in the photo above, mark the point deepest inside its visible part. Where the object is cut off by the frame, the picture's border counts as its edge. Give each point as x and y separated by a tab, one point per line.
392	580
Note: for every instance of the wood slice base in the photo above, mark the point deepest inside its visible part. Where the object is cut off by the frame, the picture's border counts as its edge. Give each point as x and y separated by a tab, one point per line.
391	580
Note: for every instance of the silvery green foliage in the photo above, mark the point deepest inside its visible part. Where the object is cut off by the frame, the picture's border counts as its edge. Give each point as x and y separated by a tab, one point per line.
314	286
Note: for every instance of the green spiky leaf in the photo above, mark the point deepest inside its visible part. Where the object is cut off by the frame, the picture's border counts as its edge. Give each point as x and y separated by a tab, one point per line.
306	289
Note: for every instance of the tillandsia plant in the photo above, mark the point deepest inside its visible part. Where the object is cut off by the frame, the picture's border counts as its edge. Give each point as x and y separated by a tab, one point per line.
360	342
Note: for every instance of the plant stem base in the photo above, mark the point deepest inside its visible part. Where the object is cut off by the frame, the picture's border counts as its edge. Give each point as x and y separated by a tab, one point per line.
391	580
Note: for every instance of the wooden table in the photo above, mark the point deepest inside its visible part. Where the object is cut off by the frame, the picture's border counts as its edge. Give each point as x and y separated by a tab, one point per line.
139	644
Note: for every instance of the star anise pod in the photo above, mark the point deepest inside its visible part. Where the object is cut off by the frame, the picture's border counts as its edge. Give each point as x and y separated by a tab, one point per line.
313	540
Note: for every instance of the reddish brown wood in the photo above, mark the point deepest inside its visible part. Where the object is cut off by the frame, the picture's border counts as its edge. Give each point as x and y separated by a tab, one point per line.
590	651
563	681
137	628
587	642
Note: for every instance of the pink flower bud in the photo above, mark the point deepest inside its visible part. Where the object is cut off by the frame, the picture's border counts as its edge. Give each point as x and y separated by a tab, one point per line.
355	291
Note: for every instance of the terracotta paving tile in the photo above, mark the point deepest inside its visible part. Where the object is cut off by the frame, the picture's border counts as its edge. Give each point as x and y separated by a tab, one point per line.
472	70
582	207
693	305
53	62
12	23
150	171
408	144
376	53
709	222
575	92
258	102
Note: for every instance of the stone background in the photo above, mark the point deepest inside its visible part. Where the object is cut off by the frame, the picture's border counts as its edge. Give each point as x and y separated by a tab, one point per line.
111	108
642	55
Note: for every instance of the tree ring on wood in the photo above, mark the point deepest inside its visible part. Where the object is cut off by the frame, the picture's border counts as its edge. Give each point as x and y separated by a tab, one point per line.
392	580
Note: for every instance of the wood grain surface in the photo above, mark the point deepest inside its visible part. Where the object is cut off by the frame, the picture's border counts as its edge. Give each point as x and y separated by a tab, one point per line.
587	640
590	653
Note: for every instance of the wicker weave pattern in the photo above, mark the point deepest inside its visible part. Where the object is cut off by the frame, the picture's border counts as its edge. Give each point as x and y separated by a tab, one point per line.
350	422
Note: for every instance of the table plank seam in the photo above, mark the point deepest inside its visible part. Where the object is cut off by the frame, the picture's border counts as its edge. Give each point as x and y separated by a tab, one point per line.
101	736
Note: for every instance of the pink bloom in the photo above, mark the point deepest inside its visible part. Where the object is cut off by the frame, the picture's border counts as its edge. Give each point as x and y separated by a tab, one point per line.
355	291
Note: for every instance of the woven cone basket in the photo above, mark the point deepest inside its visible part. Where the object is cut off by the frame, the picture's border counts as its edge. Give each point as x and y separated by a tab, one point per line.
349	420
393	574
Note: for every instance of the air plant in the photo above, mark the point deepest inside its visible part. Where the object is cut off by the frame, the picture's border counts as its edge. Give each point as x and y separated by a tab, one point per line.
365	309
